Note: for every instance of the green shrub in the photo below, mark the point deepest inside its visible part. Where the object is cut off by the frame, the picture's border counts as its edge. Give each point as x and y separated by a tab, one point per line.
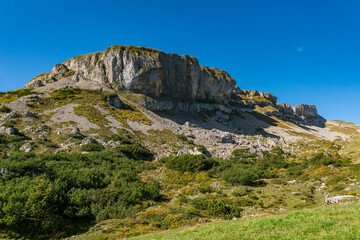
51	145
182	137
9	124
217	207
136	151
202	149
77	136
5	109
320	158
119	138
241	192
272	160
243	176
66	93
205	189
189	163
107	96
238	152
39	192
294	171
91	147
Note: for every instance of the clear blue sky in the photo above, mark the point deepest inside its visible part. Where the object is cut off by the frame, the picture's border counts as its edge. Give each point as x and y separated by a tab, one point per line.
303	51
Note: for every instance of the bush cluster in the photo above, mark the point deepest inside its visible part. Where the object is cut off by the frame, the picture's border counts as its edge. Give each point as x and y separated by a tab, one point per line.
217	207
135	151
189	163
5	109
40	191
91	147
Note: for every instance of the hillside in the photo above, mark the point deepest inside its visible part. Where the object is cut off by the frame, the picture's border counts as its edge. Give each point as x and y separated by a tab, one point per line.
340	222
150	91
138	141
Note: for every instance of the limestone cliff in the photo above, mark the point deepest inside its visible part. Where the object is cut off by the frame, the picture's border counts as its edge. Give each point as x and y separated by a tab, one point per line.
173	82
147	71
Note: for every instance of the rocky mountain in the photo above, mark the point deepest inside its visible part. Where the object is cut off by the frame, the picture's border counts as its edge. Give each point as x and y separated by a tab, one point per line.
133	140
147	92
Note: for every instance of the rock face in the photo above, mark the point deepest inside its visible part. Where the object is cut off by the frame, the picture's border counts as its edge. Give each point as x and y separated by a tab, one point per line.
305	110
173	82
148	71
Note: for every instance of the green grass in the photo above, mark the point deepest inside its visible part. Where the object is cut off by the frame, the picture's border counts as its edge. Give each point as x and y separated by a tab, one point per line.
334	222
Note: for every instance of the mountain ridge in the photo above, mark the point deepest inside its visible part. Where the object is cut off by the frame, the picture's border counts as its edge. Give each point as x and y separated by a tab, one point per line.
166	92
121	158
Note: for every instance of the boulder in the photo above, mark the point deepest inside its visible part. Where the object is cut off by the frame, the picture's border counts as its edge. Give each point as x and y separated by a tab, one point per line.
30	115
339	199
26	147
8	130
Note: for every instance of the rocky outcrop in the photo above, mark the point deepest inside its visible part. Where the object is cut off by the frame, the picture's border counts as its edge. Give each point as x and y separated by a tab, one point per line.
8	130
285	108
173	82
305	110
148	71
340	199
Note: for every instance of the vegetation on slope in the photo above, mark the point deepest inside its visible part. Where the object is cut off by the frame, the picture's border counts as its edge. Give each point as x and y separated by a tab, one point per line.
120	191
335	222
57	195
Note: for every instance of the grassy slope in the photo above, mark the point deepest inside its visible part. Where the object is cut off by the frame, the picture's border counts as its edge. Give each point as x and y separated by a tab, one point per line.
334	222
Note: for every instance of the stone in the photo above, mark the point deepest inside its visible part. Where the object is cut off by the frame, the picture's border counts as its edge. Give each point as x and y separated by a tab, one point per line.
12	115
8	130
43	128
339	199
89	140
76	131
30	114
42	136
4	171
116	102
26	147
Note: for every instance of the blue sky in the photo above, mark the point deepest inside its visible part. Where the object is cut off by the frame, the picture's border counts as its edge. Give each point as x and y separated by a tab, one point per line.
303	51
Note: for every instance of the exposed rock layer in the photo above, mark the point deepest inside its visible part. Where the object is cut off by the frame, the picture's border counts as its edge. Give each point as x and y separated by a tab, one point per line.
147	71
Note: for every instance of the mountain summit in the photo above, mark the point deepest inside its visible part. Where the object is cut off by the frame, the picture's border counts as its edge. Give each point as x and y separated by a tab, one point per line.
147	92
145	70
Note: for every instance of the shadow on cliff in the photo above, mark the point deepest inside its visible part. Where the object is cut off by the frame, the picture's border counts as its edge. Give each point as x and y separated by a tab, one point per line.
250	124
